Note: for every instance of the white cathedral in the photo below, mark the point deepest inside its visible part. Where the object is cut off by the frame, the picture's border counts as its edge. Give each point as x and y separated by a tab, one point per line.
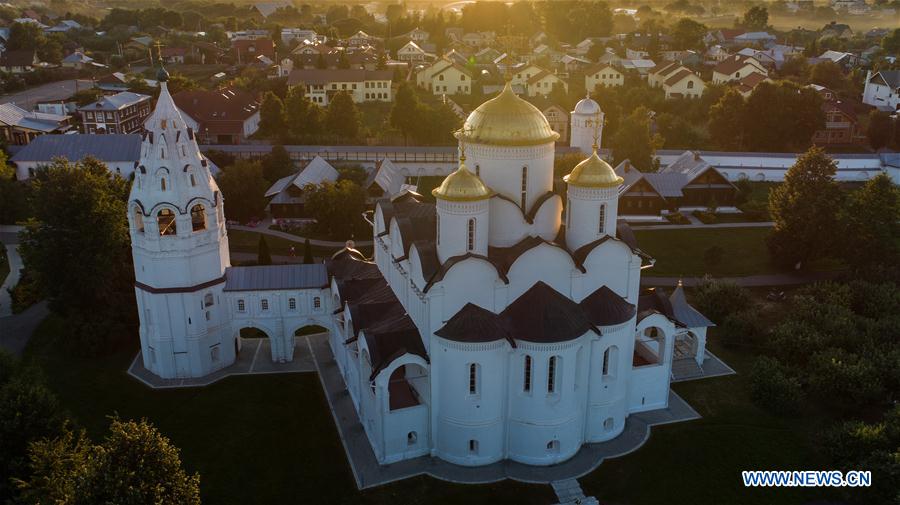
504	321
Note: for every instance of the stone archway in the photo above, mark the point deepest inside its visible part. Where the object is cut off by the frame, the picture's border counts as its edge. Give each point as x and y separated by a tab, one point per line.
686	346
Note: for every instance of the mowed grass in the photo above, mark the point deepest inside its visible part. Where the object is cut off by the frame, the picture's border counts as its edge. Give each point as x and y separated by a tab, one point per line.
253	439
681	252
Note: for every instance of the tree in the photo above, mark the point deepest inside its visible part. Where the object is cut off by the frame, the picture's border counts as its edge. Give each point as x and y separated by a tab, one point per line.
29	411
263	256
891	42
277	164
244	187
879	129
337	208
688	34
871	224
80	215
271	115
756	18
342	117
13	194
726	120
796	67
829	74
773	388
304	118
804	209
135	463
307	253
405	111
25	36
780	116
633	141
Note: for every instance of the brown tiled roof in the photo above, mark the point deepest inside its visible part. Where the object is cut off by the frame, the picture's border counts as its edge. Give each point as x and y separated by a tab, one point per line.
17	58
219	112
731	64
475	324
677	77
667	69
606	308
543	314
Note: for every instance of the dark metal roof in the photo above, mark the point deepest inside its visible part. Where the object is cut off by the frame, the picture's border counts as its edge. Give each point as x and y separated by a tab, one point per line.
685	313
475	324
351	264
74	147
545	315
447	265
276	277
605	308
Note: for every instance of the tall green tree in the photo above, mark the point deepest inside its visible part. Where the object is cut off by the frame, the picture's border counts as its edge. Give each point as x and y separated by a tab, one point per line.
77	249
756	18
780	116
271	115
307	253
871	224
405	114
726	121
688	34
263	256
135	464
879	129
633	141
891	42
277	164
342	118
805	210
304	118
337	208
13	194
244	188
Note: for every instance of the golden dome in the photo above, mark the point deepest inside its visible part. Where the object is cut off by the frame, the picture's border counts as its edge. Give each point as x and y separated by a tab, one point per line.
462	186
507	120
594	173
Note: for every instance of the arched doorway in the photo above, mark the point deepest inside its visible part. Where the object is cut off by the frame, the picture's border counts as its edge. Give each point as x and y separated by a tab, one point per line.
407	386
686	346
649	347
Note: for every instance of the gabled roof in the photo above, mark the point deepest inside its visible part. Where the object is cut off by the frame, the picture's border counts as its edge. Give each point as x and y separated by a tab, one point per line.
598	67
545	315
106	148
678	77
684	312
667	69
217	106
116	102
276	277
13	115
316	172
890	78
475	324
734	63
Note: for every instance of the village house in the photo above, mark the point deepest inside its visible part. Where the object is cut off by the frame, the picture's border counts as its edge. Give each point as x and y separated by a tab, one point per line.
882	90
362	85
120	152
451	79
19	126
558	118
602	75
19	61
542	83
836	30
841	122
412	53
173	55
360	39
224	116
246	51
120	113
77	60
737	67
683	83
844	59
301	35
749	82
286	195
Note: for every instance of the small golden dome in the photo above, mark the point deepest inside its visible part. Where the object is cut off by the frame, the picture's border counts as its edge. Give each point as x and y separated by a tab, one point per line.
594	173
507	120
462	186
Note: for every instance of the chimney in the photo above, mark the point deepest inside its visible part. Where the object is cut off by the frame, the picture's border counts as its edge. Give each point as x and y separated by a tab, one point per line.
696	155
627	166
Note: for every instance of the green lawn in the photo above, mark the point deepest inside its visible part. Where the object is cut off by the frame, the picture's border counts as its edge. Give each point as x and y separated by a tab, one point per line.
248	241
259	439
680	252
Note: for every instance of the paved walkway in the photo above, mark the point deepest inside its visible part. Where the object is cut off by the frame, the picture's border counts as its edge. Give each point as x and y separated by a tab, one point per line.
255	357
696	224
16	329
569	493
782	279
263	228
15	267
368	473
47	92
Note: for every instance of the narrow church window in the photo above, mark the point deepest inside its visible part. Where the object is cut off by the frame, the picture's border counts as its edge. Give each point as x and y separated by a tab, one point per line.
473	379
524	185
608	424
162	184
526	386
208	300
193	180
317	303
411	438
214	354
471	235
551	375
241	306
437	228
473	446
208	315
478	170
138	221
602	218
166	221
198	217
606	362
292	303
264	304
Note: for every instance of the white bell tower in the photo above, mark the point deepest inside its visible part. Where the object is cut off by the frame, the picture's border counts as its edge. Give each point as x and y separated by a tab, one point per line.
180	250
583	121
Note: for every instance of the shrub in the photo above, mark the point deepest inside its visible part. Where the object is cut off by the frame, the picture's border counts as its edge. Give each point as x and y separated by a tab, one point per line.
741	328
705	216
24	294
677	218
717	299
773	389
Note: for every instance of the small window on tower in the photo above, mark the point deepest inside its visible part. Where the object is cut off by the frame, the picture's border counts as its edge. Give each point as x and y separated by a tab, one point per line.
166	221
198	217
471	235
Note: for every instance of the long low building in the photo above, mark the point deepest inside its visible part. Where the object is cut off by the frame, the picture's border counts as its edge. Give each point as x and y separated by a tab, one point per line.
119	152
441	160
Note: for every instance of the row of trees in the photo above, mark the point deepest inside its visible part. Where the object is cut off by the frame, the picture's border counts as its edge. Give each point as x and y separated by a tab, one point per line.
296	120
423	123
45	459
